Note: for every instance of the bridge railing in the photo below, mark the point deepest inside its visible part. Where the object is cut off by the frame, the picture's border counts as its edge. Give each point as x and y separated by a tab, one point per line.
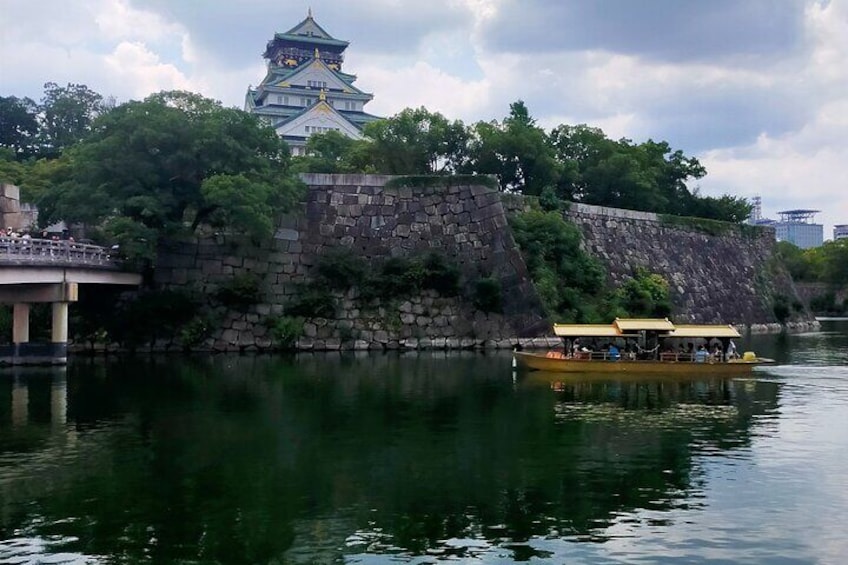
20	250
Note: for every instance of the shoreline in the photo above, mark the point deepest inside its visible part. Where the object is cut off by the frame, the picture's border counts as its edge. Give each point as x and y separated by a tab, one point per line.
408	344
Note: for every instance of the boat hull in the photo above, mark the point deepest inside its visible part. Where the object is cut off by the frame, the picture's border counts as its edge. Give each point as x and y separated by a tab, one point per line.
541	362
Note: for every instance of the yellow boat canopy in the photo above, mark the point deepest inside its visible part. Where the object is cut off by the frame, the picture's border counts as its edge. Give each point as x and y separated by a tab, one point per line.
624	327
704	331
586	330
647	324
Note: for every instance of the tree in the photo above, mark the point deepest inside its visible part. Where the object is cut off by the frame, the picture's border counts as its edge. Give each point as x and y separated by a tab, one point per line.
516	150
834	256
795	260
334	152
66	114
171	163
726	208
18	125
567	279
417	141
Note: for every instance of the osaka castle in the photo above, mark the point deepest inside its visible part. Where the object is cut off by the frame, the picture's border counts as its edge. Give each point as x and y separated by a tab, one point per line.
305	90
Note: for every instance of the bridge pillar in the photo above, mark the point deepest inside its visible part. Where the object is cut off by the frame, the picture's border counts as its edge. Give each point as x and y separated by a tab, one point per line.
59	331
20	323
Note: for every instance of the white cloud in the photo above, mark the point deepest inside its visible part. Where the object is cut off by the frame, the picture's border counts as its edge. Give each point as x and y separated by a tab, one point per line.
775	128
421	84
804	168
133	64
117	20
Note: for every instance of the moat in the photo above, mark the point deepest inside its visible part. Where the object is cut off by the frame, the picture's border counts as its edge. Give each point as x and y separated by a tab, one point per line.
423	458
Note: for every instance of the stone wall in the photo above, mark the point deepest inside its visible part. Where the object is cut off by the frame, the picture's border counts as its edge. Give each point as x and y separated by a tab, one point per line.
730	277
465	223
810	290
10	206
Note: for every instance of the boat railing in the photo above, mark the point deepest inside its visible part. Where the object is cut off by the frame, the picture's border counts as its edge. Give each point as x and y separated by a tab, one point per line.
667	357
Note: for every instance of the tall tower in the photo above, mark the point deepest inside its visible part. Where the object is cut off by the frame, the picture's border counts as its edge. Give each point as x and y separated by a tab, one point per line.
305	90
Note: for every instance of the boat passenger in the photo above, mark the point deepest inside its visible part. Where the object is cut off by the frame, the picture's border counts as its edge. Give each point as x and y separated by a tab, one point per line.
731	351
701	355
614	354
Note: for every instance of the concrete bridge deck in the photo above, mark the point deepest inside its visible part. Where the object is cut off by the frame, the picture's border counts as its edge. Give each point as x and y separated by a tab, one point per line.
41	270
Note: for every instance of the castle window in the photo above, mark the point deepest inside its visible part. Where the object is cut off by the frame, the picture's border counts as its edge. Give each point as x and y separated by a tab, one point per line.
316	83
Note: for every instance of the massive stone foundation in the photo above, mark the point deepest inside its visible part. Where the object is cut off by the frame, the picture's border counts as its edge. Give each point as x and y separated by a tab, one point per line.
727	277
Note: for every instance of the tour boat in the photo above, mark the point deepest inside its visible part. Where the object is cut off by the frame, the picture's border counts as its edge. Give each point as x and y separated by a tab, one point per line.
644	345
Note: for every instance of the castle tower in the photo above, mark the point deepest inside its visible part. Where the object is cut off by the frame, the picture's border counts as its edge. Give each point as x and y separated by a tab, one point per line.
305	90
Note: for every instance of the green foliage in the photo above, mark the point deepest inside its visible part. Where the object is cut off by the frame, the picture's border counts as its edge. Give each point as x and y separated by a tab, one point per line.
67	115
340	269
240	291
417	142
645	295
18	126
781	308
827	264
549	201
828	304
436	181
194	332
334	152
285	331
153	315
516	150
568	280
487	295
709	227
312	301
171	163
440	274
397	276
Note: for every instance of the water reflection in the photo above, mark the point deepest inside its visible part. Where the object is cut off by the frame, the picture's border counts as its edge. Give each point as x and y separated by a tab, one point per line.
252	459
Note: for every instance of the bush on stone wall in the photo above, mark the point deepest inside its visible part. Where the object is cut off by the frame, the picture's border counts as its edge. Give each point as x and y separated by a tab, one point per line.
241	291
570	282
195	331
311	300
341	269
644	295
442	181
487	295
781	308
285	331
711	227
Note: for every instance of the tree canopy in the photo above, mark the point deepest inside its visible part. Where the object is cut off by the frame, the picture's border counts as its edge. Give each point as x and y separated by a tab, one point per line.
43	130
170	163
827	264
577	163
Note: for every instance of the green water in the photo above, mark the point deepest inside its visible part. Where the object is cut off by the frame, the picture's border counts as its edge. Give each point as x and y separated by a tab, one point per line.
424	458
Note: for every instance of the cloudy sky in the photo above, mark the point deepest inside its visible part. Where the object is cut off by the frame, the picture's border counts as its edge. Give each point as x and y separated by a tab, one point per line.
756	89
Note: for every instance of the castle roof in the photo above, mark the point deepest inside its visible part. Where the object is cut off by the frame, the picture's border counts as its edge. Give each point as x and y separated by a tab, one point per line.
310	32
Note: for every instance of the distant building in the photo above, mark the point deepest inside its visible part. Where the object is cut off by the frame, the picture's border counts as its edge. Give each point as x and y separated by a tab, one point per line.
305	90
840	232
797	227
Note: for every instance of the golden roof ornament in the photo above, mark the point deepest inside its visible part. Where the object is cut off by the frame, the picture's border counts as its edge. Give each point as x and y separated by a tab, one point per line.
317	55
322	95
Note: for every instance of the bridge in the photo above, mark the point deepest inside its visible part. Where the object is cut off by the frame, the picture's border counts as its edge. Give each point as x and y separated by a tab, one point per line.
43	270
